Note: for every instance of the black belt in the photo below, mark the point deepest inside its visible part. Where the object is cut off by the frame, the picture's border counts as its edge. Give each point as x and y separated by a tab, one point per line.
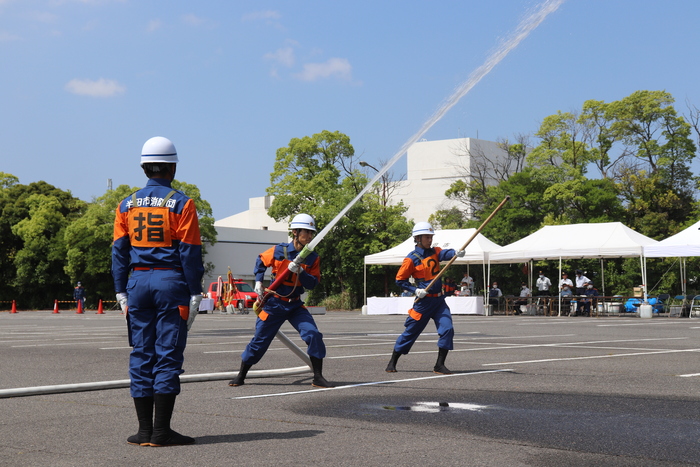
288	299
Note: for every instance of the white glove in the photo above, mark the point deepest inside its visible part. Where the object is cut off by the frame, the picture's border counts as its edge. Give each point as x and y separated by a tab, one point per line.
460	254
294	267
420	293
122	300
258	288
195	300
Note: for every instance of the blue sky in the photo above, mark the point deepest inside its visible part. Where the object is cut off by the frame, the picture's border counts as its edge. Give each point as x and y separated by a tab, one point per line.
85	83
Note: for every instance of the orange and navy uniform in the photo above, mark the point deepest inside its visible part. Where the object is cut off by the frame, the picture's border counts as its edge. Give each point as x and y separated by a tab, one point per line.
278	258
157	262
424	265
155	236
286	304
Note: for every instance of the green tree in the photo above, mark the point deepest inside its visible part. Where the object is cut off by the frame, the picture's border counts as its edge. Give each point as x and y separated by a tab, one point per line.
452	218
32	221
658	186
7	181
317	175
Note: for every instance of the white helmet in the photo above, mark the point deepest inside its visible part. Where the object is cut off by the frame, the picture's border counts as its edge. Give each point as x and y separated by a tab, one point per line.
303	221
159	149
423	228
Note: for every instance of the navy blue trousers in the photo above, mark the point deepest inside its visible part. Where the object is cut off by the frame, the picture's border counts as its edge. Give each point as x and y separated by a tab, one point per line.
158	309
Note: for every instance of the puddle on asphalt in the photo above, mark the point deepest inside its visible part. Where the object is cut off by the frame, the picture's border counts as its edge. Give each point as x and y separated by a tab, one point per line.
435	407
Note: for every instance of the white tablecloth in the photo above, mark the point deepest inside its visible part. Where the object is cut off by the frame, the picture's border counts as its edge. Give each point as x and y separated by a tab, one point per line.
207	304
401	305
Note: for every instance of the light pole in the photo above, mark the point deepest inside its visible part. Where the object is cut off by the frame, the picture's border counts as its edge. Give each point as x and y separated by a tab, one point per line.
367	164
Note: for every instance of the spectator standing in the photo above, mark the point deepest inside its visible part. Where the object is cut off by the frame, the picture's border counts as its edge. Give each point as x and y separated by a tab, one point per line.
581	282
79	296
543	284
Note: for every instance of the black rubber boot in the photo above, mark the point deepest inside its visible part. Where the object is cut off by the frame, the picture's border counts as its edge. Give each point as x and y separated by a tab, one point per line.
319	381
391	367
144	413
162	434
239	380
440	367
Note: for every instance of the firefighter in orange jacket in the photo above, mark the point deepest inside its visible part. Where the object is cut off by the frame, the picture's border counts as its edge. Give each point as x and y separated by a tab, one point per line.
157	269
423	264
286	304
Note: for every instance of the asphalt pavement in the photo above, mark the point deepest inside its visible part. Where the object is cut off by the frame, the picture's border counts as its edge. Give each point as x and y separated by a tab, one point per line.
526	391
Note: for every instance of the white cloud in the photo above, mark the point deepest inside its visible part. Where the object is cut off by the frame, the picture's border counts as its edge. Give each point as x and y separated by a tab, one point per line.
100	88
196	21
91	25
193	20
263	14
41	17
153	25
283	56
7	37
333	67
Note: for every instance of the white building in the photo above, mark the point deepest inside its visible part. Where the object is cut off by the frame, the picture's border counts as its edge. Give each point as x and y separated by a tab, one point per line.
238	249
431	167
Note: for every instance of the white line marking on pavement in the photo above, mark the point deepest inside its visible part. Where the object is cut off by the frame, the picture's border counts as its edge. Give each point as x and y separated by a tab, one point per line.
348	386
563	359
689	375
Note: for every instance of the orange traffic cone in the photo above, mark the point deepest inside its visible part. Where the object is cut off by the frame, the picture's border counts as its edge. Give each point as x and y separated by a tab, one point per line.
100	310
14	307
80	308
55	306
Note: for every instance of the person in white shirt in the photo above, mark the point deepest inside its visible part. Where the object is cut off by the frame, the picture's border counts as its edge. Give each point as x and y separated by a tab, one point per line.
543	284
467	284
581	282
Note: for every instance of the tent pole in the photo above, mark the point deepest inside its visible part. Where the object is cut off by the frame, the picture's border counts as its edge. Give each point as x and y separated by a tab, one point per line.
487	284
684	270
559	287
602	274
643	265
365	283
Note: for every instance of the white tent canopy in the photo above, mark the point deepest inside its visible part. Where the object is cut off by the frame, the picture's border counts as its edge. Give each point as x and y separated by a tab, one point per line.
682	245
601	240
477	251
595	240
685	243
